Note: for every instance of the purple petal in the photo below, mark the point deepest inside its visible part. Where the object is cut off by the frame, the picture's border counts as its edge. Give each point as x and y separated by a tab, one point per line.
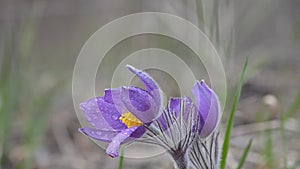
140	103
147	80
138	132
175	109
208	108
164	119
93	115
113	147
110	114
98	134
189	107
108	95
150	84
113	96
174	105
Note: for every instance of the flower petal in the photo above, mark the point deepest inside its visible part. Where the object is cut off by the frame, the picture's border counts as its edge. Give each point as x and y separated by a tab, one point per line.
110	114
93	115
108	95
150	84
175	105
174	108
140	103
113	147
102	135
147	80
113	96
208	108
138	132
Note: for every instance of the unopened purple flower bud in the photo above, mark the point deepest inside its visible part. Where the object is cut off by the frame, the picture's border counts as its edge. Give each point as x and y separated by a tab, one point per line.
208	107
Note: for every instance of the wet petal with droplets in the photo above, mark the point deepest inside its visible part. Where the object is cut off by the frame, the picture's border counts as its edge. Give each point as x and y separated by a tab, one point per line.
140	103
150	84
147	80
110	114
93	115
102	135
114	146
113	96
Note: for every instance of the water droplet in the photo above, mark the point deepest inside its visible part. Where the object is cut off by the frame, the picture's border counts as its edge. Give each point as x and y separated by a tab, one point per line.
94	116
98	133
104	136
115	117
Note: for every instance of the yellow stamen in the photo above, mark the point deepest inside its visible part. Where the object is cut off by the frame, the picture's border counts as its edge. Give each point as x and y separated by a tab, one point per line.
130	120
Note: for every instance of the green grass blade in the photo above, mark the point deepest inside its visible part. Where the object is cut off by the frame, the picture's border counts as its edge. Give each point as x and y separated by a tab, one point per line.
295	105
269	158
284	116
9	90
244	156
121	159
229	126
283	140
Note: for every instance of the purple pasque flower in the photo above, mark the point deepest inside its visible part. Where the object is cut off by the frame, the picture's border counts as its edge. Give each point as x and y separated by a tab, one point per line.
184	124
122	113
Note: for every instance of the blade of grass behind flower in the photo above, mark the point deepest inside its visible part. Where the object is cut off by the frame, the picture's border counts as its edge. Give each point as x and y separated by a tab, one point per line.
284	116
13	64
295	105
29	28
229	126
283	139
269	158
244	156
9	89
121	159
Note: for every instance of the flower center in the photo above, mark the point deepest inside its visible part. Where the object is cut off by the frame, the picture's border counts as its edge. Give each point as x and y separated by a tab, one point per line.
130	120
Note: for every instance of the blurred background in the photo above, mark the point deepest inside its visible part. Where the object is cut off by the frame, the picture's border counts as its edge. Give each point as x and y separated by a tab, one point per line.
40	41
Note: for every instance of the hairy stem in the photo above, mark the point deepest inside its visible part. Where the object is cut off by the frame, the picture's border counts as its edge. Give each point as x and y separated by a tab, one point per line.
180	159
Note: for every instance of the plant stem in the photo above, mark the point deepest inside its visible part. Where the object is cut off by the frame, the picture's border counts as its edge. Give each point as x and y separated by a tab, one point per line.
180	159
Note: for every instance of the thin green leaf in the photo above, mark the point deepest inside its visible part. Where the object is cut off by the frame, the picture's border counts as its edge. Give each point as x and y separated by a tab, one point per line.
295	105
231	117
121	159
269	158
9	90
283	139
244	156
284	116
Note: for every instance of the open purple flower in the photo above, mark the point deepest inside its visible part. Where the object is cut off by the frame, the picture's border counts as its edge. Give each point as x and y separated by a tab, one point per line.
122	113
